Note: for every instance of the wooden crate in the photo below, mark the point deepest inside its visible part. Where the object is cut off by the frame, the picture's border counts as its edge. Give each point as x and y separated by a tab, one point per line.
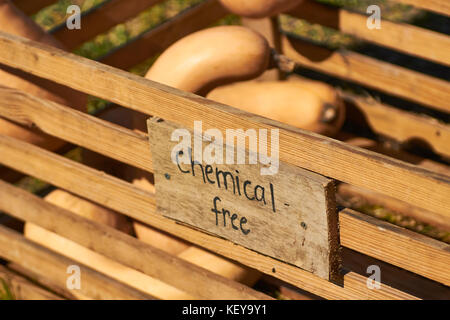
414	266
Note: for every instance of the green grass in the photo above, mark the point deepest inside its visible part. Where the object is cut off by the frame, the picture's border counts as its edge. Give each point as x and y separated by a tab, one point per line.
333	38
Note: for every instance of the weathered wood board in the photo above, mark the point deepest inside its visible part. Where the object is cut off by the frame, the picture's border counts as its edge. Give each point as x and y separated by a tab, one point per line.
290	215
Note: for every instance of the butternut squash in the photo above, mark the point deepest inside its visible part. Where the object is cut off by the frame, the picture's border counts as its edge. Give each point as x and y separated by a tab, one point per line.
160	239
209	58
89	210
16	22
206	59
196	255
92	259
309	105
212	57
259	8
219	265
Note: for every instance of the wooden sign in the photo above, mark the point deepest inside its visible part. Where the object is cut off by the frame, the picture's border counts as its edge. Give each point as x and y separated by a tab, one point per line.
290	215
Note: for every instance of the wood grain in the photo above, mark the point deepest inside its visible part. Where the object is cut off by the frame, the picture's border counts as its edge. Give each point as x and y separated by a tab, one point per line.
86	182
161	37
14	247
438	6
79	128
100	19
347	191
396	245
396	277
78	178
304	149
391	151
46	282
405	127
408	84
423	43
122	248
296	214
23	289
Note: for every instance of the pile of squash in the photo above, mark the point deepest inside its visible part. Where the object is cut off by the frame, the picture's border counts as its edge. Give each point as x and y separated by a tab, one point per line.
216	63
219	63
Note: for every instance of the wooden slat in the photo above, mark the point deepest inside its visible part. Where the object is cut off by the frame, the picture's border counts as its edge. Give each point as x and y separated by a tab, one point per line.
406	209
395	245
406	38
287	291
79	128
100	19
63	172
32	6
140	201
122	248
298	147
389	78
401	125
396	277
14	247
402	155
162	36
114	141
78	178
23	289
438	6
136	203
46	282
